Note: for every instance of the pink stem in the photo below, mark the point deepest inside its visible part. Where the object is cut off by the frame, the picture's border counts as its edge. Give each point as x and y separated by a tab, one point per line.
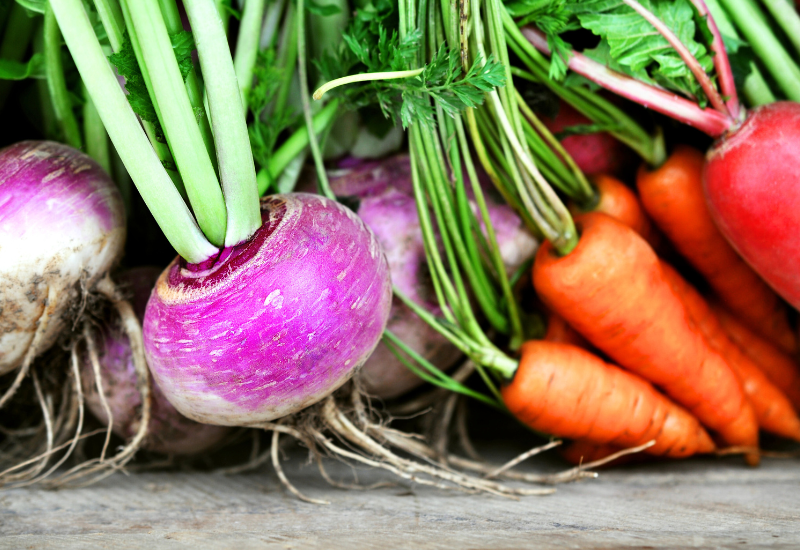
712	122
690	60
721	62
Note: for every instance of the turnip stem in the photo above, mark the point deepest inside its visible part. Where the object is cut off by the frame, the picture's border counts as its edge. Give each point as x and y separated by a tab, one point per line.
247	45
172	18
709	121
294	145
16	36
755	88
785	14
111	17
95	134
322	177
753	25
135	150
54	69
702	78
177	119
232	140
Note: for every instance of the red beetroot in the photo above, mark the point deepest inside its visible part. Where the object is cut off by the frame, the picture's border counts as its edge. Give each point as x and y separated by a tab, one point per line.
593	153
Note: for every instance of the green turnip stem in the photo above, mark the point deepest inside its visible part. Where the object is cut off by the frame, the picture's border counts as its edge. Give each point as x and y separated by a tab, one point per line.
224	14
54	69
322	176
94	134
755	87
754	27
228	119
287	58
691	62
172	18
16	37
709	121
786	16
111	17
178	120
247	45
135	150
295	145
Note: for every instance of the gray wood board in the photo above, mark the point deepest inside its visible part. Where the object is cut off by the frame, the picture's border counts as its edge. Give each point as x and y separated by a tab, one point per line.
697	504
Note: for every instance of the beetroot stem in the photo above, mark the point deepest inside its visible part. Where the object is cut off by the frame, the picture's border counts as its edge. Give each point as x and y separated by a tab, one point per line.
691	61
721	62
712	122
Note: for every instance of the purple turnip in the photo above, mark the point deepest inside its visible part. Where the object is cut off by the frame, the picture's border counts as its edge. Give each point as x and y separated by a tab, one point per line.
62	227
168	431
383	190
274	324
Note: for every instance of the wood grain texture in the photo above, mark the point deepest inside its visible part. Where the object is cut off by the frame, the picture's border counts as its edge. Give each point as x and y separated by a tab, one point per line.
693	504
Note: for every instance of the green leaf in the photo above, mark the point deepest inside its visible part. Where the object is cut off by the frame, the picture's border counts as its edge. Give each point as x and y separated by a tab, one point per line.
20	70
323	10
633	46
36	6
183	45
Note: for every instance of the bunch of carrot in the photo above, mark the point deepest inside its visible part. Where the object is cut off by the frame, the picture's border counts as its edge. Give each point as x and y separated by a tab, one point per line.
686	363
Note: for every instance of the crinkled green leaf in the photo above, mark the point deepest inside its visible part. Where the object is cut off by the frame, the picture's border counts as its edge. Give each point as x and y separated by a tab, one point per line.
20	70
630	44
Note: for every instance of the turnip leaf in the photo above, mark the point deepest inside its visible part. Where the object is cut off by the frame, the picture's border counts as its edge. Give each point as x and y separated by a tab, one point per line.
20	70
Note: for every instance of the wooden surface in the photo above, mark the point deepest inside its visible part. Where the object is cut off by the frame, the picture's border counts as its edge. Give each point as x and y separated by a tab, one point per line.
695	504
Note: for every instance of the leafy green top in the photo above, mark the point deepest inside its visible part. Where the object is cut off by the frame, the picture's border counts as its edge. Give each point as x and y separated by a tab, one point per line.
370	47
628	43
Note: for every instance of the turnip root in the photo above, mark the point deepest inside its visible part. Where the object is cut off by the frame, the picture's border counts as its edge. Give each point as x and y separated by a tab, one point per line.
62	227
386	203
274	324
168	431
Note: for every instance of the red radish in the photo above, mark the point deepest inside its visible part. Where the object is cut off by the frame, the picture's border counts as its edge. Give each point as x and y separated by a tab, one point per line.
386	203
751	182
273	324
168	431
594	153
62	225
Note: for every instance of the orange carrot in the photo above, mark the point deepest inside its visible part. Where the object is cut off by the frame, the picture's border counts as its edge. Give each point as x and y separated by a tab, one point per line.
673	197
566	391
611	289
620	202
559	331
781	369
773	409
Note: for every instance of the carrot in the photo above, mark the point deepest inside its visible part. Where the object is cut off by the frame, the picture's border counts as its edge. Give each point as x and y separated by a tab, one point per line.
773	409
569	392
558	330
673	197
779	367
620	202
611	289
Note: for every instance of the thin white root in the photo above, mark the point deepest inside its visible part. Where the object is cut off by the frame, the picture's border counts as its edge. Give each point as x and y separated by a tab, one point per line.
521	458
33	349
94	359
79	391
276	463
104	467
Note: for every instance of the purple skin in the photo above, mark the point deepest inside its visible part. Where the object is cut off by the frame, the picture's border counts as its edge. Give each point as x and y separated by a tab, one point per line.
274	324
61	219
387	206
168	432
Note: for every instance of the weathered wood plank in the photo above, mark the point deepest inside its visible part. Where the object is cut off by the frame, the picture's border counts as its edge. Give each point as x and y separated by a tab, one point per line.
699	503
